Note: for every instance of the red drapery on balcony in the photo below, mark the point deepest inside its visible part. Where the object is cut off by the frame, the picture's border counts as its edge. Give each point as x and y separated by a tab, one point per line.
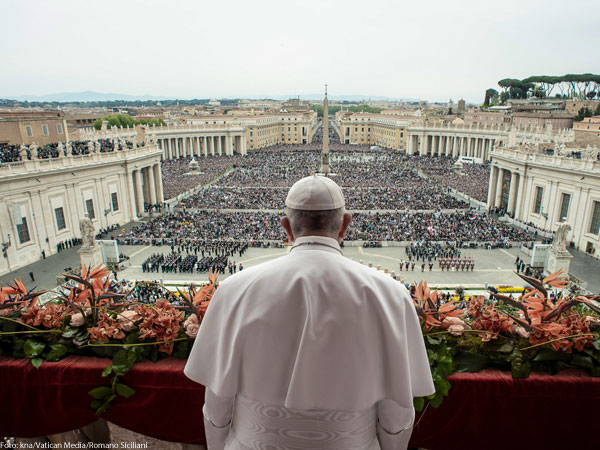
487	410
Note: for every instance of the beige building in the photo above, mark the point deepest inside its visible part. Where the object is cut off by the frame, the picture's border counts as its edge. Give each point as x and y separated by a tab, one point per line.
558	121
42	201
28	127
386	131
476	117
548	189
588	125
573	106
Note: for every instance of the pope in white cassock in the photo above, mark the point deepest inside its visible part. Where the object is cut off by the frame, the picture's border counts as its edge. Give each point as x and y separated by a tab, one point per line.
310	350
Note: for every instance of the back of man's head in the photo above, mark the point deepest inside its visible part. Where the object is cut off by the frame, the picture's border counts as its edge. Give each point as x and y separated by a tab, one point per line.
315	205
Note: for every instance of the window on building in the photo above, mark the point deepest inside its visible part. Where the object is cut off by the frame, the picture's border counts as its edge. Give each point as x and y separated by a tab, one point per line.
539	193
59	128
23	231
564	207
595	224
89	206
28	131
115	201
60	218
45	130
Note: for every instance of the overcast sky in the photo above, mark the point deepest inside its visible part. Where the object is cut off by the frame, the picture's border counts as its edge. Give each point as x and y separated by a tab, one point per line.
430	49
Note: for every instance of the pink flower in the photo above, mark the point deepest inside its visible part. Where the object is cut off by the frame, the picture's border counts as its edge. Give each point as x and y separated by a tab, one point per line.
127	318
6	311
77	320
454	325
191	326
520	331
456	330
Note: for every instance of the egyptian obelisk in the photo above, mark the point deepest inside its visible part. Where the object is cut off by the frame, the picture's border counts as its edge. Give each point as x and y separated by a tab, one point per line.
325	151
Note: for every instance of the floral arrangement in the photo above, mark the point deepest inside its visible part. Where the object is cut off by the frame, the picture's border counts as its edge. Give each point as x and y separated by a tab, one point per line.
88	319
534	332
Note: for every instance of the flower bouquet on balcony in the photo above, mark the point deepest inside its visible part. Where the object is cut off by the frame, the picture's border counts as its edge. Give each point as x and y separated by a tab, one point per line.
536	331
87	318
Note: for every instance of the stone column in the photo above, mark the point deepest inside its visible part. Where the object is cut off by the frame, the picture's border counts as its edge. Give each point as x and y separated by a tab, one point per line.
131	189
512	192
219	149
204	146
243	144
440	141
158	183
139	196
151	184
498	199
492	187
145	184
211	146
422	145
228	148
185	146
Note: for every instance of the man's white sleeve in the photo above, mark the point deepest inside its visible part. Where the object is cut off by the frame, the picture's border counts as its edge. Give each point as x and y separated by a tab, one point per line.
394	425
217	419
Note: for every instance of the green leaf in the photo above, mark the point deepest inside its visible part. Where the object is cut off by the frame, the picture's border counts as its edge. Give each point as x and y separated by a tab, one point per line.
120	358
107	371
470	362
105	405
100	392
597	343
584	362
506	348
431	355
33	348
436	400
419	403
124	390
120	369
547	354
131	358
37	361
443	387
133	338
70	332
95	404
58	351
433	340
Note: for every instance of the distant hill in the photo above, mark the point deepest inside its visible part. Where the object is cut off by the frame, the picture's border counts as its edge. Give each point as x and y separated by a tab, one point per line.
92	96
85	96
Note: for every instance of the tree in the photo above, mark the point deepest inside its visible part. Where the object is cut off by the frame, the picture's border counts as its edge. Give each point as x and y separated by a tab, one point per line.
450	111
597	112
121	120
503	97
489	95
583	113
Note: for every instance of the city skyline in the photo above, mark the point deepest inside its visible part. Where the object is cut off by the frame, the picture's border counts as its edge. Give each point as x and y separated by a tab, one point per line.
431	52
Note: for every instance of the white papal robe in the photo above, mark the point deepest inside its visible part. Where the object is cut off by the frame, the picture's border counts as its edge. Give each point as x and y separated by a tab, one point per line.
288	347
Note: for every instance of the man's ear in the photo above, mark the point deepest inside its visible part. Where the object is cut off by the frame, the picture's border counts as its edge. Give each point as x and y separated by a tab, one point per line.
287	226
345	224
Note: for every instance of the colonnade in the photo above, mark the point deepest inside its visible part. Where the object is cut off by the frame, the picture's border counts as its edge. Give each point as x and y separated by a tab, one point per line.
145	188
505	188
181	146
453	145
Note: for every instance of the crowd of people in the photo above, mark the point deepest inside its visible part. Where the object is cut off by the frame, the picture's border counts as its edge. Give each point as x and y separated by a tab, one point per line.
472	179
17	153
464	229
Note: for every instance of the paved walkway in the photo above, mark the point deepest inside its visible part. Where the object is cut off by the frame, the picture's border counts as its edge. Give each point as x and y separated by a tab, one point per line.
492	267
